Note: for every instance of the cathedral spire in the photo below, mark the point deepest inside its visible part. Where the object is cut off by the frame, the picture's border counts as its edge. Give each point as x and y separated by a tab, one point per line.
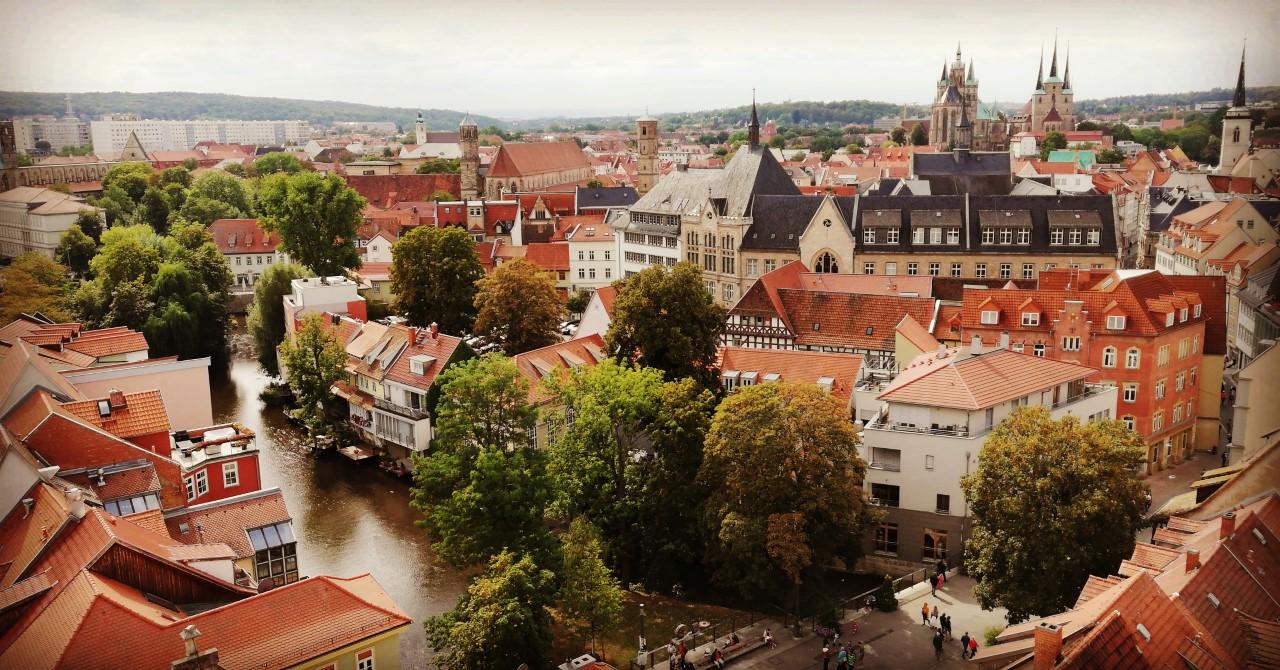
1040	70
1066	72
1239	99
944	70
970	79
1053	66
753	126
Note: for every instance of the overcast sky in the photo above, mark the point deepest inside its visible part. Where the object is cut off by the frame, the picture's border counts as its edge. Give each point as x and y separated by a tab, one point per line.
528	58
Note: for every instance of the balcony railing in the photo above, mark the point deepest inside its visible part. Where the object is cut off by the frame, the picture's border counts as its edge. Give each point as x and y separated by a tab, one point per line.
945	432
412	413
1089	391
890	467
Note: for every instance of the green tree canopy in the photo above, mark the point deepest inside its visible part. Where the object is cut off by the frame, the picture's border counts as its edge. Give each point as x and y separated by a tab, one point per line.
32	283
175	175
1110	156
317	218
1052	502
440	166
1053	141
433	275
277	161
590	598
500	622
898	136
266	315
577	303
919	137
131	178
224	188
90	223
664	318
313	361
76	250
154	209
785	479
518	308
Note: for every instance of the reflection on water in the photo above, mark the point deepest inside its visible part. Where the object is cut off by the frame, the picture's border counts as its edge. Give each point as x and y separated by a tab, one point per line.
349	519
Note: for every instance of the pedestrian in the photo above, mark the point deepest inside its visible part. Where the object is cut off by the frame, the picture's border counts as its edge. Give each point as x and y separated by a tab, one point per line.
717	659
826	658
937	645
946	625
942	579
933	585
934	614
842	658
857	653
973	646
871	602
768	639
964	645
924	614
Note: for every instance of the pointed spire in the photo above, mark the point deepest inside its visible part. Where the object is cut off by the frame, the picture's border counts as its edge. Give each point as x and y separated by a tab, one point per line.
1066	72
1053	67
957	50
1239	99
1040	70
753	127
467	122
944	70
970	78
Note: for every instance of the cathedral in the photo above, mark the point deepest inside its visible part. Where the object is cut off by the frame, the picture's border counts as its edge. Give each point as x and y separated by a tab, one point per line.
1050	108
957	93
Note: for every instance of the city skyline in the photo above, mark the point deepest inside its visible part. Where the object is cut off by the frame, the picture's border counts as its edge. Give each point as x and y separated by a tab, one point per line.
557	60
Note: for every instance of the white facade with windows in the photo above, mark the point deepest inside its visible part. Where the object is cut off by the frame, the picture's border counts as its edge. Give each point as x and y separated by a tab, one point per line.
109	135
34	219
593	256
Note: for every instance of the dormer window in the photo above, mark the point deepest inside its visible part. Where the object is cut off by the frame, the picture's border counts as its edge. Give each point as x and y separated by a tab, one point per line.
1168	319
1182	314
990	317
1196	311
1115	323
1030	318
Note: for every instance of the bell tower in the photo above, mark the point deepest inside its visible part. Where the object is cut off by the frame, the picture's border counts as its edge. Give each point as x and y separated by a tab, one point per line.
469	141
1237	126
647	146
420	130
8	156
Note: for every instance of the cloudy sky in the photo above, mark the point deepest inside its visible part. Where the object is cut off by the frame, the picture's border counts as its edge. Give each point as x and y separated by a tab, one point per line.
528	58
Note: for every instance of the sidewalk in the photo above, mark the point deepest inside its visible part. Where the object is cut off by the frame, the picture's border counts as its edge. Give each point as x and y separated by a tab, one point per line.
893	639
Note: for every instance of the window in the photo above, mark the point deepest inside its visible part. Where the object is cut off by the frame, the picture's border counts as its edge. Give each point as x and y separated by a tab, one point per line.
133	504
1006	236
1028	271
891	236
913	268
1177	414
1031	318
990	317
1115	323
582	273
826	263
1196	311
582	255
591	273
868	268
944	504
1162	358
886	459
928	462
1160	389
231	474
1131	358
869	236
1056	236
1128	422
1006	270
728	292
934	269
752	267
190	487
608	273
1157	421
980	270
891	268
364	660
935	544
1109	357
955	269
1038	350
1168	319
275	553
990	416
202	483
1017	346
953	236
917	235
1130	392
1182	314
1075	236
887	538
608	255
935	236
988	236
1094	237
1024	236
1071	343
885	494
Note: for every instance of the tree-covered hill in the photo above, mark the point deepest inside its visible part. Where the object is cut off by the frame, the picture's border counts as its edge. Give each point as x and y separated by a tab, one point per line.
1149	101
185	105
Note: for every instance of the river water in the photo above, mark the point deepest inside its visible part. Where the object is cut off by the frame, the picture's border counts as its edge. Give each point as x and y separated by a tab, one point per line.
349	519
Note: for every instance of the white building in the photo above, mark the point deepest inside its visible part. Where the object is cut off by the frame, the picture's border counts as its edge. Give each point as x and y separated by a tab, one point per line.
109	135
59	133
338	295
249	250
34	219
593	253
931	423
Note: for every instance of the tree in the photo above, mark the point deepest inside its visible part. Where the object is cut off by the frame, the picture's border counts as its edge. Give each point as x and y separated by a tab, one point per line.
440	166
483	487
32	283
777	142
76	250
154	209
235	170
1088	125
224	188
175	175
919	137
500	622
190	164
433	274
517	307
577	303
316	216
1052	502
1053	141
785	487
898	136
277	161
442	195
590	598
313	361
664	318
266	315
90	223
1110	156
131	178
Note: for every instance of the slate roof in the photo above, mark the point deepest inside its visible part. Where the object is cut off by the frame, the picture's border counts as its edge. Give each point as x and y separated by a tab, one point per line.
617	196
752	172
777	221
960	172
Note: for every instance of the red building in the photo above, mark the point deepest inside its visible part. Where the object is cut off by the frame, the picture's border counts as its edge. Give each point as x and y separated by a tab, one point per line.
1147	333
137	417
217	462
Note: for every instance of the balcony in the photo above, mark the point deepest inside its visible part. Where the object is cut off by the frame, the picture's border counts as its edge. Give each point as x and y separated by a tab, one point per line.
959	431
1088	391
409	412
887	467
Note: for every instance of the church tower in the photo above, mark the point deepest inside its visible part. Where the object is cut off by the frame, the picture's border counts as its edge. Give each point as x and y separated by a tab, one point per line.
753	126
647	145
420	130
469	139
8	156
1237	126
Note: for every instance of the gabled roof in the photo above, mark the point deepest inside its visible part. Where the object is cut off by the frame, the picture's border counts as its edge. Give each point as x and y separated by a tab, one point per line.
142	413
552	256
521	159
539	364
387	190
853	320
959	379
226	521
243	236
800	367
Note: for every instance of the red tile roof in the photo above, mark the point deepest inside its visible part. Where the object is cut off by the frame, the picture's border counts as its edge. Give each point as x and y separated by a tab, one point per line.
387	190
243	236
607	295
553	256
852	320
109	342
441	348
538	364
520	159
142	413
971	382
801	367
132	480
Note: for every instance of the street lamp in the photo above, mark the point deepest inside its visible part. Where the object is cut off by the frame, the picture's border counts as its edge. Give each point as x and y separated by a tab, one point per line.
643	645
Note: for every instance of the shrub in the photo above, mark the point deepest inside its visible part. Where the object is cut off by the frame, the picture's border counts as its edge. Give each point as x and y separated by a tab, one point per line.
886	599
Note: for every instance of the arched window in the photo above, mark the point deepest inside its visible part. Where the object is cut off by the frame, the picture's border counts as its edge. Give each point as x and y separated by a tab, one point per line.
1109	357
1235	135
826	263
1131	358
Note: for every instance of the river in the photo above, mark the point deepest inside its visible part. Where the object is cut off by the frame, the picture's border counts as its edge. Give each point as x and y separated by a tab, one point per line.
349	519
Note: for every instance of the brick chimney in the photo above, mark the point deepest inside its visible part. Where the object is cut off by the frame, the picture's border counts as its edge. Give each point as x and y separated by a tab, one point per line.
975	346
195	659
1193	559
1228	525
435	330
117	398
1048	647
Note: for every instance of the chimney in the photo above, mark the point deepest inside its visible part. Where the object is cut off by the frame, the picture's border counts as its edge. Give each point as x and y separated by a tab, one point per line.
435	330
75	503
413	335
117	399
975	346
1193	559
942	350
1228	525
195	659
1048	646
1004	340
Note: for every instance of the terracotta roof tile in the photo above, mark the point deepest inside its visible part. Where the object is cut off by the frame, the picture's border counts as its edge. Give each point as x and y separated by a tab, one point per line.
108	344
801	367
143	413
130	480
225	521
519	159
538	364
820	318
553	256
243	236
972	382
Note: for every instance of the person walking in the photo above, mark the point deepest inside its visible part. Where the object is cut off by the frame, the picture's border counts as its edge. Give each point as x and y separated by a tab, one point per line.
946	626
924	614
973	646
933	585
934	615
937	645
826	658
942	579
842	658
768	639
964	645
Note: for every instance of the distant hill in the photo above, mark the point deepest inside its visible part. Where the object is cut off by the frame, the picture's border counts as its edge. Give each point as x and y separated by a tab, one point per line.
184	105
1129	103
